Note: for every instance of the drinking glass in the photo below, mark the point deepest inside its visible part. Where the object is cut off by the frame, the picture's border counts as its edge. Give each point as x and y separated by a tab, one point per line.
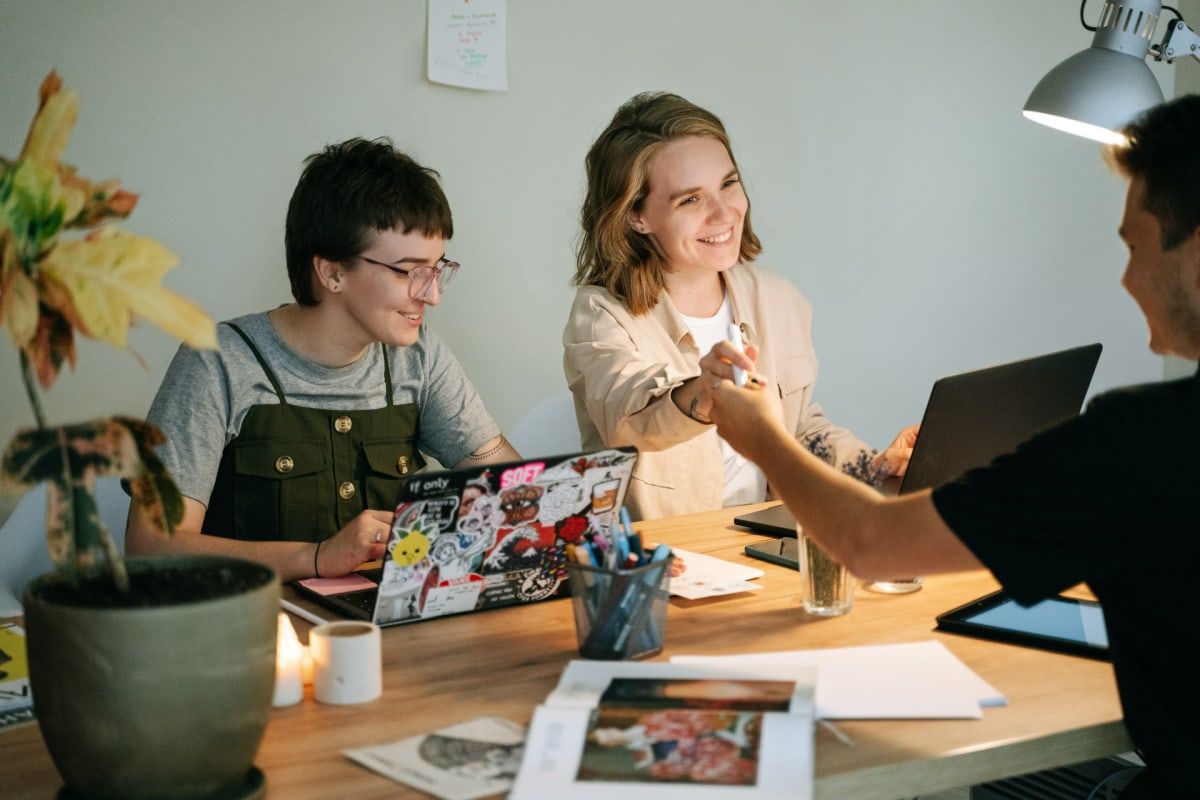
826	588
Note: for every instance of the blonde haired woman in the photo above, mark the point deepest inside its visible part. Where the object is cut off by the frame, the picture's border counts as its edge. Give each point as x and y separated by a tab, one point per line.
662	269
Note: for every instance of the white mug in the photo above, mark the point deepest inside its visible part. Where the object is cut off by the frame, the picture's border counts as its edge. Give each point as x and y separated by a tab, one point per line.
347	662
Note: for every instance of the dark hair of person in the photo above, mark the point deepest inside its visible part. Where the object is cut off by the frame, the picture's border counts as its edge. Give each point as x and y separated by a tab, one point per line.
610	253
1164	151
350	190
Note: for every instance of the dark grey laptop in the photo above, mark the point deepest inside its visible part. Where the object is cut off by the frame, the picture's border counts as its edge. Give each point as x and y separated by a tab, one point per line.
973	417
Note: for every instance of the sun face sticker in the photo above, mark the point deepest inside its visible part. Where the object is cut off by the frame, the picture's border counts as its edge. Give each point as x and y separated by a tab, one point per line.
412	546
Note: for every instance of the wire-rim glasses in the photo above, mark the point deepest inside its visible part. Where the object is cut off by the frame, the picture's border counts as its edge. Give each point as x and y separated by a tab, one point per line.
421	278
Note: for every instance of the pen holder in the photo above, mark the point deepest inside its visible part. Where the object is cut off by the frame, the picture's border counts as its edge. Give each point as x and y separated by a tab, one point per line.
620	614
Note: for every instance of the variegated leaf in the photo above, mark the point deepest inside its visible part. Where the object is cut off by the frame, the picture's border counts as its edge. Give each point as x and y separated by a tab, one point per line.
70	459
111	275
19	308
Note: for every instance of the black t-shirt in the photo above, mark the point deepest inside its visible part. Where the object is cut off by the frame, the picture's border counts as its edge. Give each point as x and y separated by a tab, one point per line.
1111	498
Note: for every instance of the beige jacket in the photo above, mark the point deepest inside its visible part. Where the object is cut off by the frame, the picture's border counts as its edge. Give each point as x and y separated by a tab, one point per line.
622	368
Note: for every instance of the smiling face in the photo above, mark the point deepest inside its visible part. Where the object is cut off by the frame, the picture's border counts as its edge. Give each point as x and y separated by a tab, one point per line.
696	206
1164	283
377	299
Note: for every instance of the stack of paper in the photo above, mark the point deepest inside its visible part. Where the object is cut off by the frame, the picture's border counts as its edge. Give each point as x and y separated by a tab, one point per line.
921	680
671	731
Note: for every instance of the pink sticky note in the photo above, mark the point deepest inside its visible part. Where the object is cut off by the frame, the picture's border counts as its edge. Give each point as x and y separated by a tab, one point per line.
347	583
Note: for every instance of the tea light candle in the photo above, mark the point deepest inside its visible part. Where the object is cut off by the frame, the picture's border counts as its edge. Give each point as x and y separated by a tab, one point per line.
306	666
289	661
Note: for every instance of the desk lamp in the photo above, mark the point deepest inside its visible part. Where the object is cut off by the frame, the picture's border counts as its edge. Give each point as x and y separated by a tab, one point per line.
1096	92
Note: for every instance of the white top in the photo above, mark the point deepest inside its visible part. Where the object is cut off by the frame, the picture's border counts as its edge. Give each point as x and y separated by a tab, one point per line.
744	482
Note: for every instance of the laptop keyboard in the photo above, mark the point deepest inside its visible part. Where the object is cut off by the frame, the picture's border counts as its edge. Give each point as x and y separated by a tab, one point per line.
364	600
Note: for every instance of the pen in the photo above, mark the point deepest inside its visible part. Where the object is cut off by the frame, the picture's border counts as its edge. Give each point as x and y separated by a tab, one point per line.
734	333
634	538
836	732
292	608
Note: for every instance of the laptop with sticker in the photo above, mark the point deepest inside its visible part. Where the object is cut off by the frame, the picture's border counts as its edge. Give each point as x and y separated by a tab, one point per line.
483	537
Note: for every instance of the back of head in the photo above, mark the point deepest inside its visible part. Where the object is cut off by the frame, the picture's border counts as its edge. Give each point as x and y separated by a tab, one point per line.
610	253
1164	152
347	192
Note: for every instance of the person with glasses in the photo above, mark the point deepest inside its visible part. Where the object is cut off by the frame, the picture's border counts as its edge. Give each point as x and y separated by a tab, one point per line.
289	442
662	273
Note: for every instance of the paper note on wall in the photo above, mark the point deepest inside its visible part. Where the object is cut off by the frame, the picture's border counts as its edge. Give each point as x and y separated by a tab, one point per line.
467	43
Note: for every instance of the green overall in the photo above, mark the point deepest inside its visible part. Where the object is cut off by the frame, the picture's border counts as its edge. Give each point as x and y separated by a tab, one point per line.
300	474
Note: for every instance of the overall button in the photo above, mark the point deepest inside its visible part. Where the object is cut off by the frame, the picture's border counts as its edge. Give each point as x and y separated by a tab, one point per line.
284	464
343	424
346	490
402	464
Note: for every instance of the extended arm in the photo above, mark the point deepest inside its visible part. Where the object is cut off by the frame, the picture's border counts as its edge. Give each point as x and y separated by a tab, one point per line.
873	536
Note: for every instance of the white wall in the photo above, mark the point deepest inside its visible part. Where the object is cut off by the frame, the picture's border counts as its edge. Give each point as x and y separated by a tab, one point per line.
892	176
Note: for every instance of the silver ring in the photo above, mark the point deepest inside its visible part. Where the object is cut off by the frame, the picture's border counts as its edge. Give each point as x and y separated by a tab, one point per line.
378	537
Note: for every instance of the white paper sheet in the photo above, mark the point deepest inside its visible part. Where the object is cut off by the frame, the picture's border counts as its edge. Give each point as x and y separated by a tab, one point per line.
711	577
470	760
467	43
920	680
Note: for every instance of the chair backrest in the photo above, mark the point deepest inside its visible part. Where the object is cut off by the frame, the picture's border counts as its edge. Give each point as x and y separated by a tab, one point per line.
547	429
23	553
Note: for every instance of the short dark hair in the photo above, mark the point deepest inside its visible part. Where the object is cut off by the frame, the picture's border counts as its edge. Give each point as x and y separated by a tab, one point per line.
1164	151
349	190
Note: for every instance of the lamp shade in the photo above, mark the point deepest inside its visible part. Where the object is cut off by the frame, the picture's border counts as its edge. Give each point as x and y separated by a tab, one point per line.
1097	92
1094	93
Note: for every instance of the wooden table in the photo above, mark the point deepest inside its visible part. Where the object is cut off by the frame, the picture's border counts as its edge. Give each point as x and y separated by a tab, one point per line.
1061	709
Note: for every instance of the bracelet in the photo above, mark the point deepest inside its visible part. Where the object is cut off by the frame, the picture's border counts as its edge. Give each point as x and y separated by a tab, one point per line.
316	553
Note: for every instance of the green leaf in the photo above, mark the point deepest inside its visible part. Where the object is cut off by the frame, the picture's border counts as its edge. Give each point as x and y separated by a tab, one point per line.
32	209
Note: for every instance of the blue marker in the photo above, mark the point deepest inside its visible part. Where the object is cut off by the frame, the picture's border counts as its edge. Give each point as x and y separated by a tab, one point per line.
635	541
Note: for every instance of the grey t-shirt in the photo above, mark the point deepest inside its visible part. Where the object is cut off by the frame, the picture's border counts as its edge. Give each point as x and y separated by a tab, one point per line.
206	394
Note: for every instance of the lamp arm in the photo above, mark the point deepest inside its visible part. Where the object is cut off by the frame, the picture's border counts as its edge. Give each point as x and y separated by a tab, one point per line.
1179	41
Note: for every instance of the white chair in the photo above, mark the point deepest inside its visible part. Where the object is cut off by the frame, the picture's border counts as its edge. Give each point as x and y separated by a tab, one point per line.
547	429
23	553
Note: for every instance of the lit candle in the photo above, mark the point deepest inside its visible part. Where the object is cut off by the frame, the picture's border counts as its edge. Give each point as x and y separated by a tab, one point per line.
306	666
289	658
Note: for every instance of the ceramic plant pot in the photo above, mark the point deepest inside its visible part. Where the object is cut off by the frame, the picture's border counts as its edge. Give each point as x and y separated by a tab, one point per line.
166	700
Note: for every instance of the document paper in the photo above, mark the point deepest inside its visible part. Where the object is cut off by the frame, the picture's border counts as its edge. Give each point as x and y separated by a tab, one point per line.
921	680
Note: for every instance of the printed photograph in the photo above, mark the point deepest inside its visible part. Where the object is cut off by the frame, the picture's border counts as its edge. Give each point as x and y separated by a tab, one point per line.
672	745
651	693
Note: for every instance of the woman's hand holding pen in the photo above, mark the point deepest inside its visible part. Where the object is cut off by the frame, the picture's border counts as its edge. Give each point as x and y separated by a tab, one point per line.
716	365
363	539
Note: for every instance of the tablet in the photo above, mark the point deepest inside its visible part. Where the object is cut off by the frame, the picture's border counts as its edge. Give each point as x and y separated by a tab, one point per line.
1063	624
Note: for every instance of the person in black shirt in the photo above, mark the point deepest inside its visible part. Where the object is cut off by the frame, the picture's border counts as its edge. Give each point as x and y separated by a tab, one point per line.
1110	498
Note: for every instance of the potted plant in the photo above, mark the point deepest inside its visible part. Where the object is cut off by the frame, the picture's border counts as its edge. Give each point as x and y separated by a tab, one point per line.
150	678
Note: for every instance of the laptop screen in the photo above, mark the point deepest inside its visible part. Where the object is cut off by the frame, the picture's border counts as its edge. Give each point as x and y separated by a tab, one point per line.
973	417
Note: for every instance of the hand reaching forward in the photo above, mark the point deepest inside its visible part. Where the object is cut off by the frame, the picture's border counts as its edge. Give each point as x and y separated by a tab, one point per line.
894	460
